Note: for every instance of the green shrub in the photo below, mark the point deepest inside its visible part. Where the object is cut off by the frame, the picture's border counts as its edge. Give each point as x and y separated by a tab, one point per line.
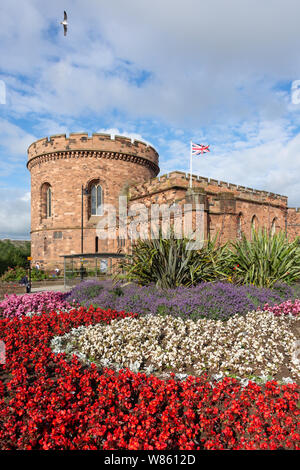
13	255
264	260
39	275
14	274
168	263
18	273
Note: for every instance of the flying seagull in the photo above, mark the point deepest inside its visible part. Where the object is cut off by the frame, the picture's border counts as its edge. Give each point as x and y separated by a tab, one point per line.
64	23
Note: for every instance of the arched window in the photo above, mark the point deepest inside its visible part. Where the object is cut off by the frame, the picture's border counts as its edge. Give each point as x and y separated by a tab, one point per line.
273	226
46	201
96	199
254	224
239	226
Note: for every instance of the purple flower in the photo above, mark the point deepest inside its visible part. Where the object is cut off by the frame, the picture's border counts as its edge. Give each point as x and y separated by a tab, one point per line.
217	300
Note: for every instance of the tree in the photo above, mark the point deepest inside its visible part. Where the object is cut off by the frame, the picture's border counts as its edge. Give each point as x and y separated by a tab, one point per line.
13	254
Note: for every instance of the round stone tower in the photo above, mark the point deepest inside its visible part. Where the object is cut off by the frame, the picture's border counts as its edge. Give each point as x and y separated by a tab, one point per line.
74	176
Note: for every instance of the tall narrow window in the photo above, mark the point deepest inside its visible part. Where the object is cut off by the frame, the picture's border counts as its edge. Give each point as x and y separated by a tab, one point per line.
254	224
273	227
49	202
46	201
96	200
239	226
45	244
96	244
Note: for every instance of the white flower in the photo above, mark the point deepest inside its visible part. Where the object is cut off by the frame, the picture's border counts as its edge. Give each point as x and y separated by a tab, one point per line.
240	347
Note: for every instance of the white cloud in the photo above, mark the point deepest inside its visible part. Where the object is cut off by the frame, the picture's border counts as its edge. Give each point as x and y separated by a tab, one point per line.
48	127
161	72
226	67
270	161
26	197
14	213
14	140
113	131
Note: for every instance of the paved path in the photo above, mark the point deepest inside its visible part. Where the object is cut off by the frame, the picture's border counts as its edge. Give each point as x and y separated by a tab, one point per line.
59	288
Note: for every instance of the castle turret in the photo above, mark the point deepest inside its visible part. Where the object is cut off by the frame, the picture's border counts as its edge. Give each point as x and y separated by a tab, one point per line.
60	167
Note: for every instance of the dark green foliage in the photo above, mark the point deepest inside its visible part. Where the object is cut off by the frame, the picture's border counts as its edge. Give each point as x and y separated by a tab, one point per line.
168	263
18	273
13	255
265	260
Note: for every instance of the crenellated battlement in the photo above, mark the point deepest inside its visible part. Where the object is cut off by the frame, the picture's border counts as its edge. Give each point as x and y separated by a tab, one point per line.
97	142
179	178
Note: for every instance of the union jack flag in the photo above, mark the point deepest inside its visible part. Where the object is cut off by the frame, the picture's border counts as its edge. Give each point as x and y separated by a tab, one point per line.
198	149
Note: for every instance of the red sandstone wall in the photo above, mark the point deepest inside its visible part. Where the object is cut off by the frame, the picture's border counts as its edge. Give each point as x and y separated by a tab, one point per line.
293	222
224	202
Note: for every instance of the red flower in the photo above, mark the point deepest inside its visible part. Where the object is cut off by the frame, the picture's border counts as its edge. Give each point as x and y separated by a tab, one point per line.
48	403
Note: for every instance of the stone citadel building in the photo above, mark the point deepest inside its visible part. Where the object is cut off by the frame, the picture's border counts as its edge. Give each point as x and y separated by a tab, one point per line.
71	178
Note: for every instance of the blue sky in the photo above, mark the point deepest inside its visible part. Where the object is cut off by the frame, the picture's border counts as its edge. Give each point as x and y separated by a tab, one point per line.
166	72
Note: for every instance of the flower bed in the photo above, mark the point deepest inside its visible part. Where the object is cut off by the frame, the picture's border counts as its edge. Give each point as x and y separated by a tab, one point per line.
47	402
207	300
259	344
19	305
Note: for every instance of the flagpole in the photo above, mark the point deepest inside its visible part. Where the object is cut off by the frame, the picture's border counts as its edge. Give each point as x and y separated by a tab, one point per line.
191	166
